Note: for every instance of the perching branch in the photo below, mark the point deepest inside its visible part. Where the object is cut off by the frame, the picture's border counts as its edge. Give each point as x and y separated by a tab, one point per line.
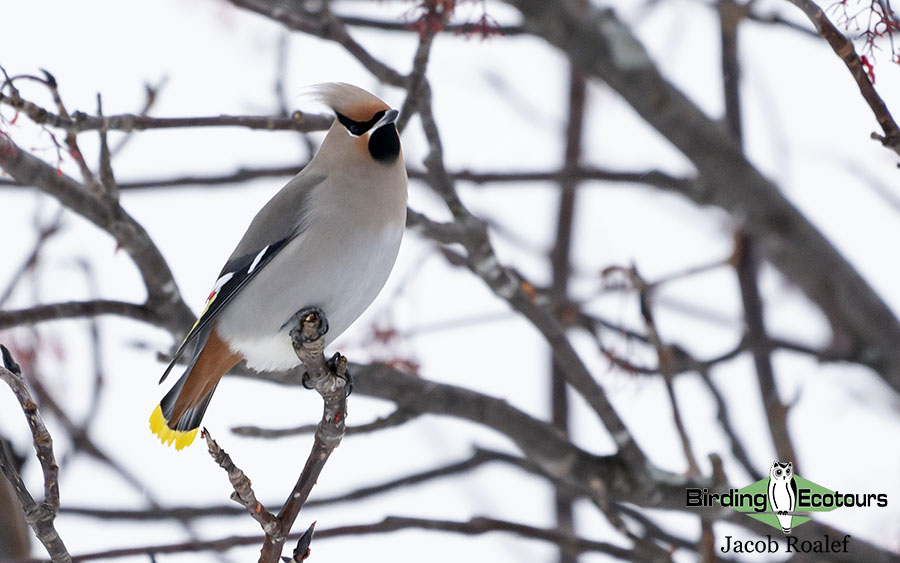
330	379
40	516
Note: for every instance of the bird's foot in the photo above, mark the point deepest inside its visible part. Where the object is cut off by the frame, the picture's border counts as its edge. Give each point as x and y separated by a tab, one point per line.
338	366
312	324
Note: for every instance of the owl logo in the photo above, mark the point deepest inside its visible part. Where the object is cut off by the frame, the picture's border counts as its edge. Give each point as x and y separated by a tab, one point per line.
783	493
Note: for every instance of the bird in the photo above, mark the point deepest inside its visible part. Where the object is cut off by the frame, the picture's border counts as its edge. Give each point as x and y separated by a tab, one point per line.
328	240
783	493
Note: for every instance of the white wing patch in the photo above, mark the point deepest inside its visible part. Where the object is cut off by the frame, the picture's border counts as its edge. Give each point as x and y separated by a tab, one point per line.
256	260
222	281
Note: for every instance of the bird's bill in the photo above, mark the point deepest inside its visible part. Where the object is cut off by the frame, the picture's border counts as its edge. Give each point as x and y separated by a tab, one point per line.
389	117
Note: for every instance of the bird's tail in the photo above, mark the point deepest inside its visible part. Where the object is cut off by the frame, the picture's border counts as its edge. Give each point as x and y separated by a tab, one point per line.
177	417
183	429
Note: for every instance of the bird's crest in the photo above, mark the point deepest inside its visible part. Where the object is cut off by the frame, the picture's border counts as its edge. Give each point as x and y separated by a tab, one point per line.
348	100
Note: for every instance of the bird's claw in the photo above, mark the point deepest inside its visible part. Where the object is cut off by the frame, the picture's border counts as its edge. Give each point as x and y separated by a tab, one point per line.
305	381
338	366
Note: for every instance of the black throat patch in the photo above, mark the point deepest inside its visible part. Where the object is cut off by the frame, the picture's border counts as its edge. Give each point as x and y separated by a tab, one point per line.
384	144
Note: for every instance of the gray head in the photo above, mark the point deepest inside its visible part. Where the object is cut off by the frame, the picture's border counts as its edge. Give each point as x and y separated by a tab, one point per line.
364	129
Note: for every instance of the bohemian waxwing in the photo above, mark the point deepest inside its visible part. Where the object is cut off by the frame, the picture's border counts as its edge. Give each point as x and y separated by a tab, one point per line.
328	239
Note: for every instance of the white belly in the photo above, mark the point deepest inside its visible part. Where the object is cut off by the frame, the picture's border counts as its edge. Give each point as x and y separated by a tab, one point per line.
339	268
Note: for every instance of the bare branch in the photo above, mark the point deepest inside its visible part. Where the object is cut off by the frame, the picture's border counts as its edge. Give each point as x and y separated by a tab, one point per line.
843	48
758	341
458	29
128	122
79	309
737	445
243	491
655	178
560	263
664	356
39	516
44	234
329	379
399	417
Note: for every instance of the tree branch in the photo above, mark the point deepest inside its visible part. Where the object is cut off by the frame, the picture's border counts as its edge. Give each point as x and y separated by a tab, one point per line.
758	341
560	263
128	122
79	309
399	417
329	379
243	490
39	516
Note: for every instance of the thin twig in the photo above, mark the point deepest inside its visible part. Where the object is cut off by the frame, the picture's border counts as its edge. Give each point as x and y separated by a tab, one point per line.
560	263
664	357
398	417
127	122
78	309
243	490
655	178
44	234
722	412
758	342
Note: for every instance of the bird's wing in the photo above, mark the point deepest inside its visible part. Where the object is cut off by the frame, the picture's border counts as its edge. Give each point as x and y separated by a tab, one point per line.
281	220
235	275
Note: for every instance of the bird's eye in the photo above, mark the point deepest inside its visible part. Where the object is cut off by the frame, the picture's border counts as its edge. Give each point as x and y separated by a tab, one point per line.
787	471
778	472
354	129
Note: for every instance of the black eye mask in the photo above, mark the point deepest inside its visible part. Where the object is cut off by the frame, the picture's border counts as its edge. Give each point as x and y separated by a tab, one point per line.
357	128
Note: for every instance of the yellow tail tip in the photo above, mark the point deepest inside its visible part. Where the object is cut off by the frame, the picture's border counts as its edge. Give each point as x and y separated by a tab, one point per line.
160	427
